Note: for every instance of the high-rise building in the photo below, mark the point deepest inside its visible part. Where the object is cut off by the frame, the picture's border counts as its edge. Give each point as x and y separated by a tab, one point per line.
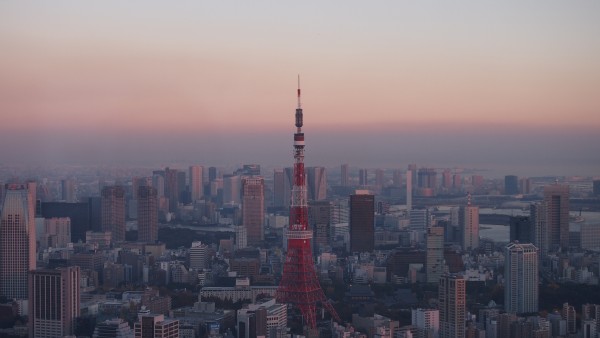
419	219
520	229
469	225
241	237
362	177
232	187
397	178
511	185
147	214
253	208
344	176
316	183
452	306
172	191
84	216
447	179
113	212
158	183
198	256
539	227
521	278
379	178
68	190
53	302
279	196
409	190
427	181
56	233
568	314
525	185
596	188
435	254
156	326
319	219
213	174
17	241
556	199
427	321
196	182
362	222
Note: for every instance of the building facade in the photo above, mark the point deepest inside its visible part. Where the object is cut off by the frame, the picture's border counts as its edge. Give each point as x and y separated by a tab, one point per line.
253	208
362	222
147	214
113	212
451	303
521	278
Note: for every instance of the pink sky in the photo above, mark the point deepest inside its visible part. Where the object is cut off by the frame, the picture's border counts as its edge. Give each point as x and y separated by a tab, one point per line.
148	67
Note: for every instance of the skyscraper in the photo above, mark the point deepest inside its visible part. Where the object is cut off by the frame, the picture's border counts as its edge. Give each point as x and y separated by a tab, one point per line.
556	199
232	187
344	175
397	178
520	229
113	212
451	303
362	222
409	190
319	219
54	302
435	254
469	224
521	278
539	227
379	178
253	208
172	188
316	183
278	189
147	214
196	182
511	185
17	241
362	177
68	190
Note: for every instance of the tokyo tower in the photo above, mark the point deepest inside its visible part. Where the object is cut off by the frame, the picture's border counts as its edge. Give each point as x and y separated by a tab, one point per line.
299	285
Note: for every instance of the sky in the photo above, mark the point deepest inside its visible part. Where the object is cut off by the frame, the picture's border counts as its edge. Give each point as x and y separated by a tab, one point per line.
507	84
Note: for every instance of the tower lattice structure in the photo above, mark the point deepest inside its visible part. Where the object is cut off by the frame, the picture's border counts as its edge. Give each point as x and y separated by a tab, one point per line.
299	285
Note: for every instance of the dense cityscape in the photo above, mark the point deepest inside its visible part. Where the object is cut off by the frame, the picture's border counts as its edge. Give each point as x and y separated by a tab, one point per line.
432	172
248	252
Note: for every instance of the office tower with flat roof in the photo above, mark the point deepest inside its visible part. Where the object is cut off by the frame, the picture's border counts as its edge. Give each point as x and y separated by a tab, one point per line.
469	225
556	200
17	241
232	187
112	328
539	227
409	190
198	256
316	183
511	185
113	212
68	190
53	302
452	306
196	182
362	222
362	177
596	188
344	175
172	188
447	179
253	208
427	321
379	178
147	214
434	263
520	229
427	182
521	278
56	233
319	220
397	178
279	196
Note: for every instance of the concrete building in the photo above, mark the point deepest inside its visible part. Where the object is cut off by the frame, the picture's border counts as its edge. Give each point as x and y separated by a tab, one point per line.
469	226
267	318
427	321
113	212
53	302
56	234
521	278
511	185
452	306
253	208
435	254
17	241
362	222
196	174
113	328
147	214
344	175
319	220
316	183
556	200
198	256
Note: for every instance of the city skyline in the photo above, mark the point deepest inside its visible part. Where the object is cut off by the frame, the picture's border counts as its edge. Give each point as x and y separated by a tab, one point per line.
466	84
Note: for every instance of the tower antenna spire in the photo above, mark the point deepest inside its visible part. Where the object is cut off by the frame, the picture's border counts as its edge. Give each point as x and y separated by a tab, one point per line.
299	101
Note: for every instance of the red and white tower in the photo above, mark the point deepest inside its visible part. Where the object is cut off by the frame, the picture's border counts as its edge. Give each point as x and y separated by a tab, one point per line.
299	285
